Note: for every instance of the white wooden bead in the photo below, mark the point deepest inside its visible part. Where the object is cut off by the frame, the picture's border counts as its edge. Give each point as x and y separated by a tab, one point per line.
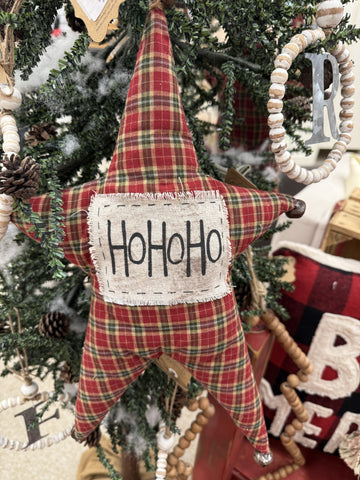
283	60
279	75
343	57
164	443
341	146
287	167
29	391
277	134
4	442
275	120
295	172
319	34
329	13
275	105
11	137
161	463
324	171
277	90
7	101
348	91
335	154
346	115
346	67
5	205
331	163
309	178
300	41
338	49
4	218
291	49
309	36
345	137
346	126
9	129
278	147
7	121
347	78
316	175
11	147
347	103
302	176
161	472
283	158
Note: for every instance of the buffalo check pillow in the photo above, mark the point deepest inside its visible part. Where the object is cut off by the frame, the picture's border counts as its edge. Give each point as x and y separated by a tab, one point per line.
324	319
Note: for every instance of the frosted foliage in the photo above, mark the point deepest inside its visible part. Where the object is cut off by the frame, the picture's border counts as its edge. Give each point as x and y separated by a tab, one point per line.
77	323
153	415
237	157
120	78
137	442
90	64
119	414
8	247
59	305
48	61
270	174
70	145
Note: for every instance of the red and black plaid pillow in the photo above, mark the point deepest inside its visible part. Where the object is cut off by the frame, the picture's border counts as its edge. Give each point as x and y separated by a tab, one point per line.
324	319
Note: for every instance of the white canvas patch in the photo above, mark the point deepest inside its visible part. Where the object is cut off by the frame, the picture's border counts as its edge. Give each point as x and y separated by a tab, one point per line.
160	249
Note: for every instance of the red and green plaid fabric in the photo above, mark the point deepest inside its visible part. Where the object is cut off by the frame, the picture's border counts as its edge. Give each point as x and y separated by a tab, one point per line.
154	153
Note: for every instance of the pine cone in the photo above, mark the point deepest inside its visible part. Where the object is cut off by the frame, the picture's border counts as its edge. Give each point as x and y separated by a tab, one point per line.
168	4
20	178
93	439
66	374
40	133
54	325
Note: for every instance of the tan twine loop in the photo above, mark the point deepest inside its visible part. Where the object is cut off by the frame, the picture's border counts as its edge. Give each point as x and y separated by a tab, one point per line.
156	4
7	46
258	289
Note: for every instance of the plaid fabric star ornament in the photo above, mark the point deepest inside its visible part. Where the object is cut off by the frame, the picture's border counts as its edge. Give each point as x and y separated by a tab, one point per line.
158	238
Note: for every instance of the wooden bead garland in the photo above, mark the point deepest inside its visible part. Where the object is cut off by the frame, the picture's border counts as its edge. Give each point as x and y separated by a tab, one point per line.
329	14
176	467
10	98
5	213
11	144
288	390
43	442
